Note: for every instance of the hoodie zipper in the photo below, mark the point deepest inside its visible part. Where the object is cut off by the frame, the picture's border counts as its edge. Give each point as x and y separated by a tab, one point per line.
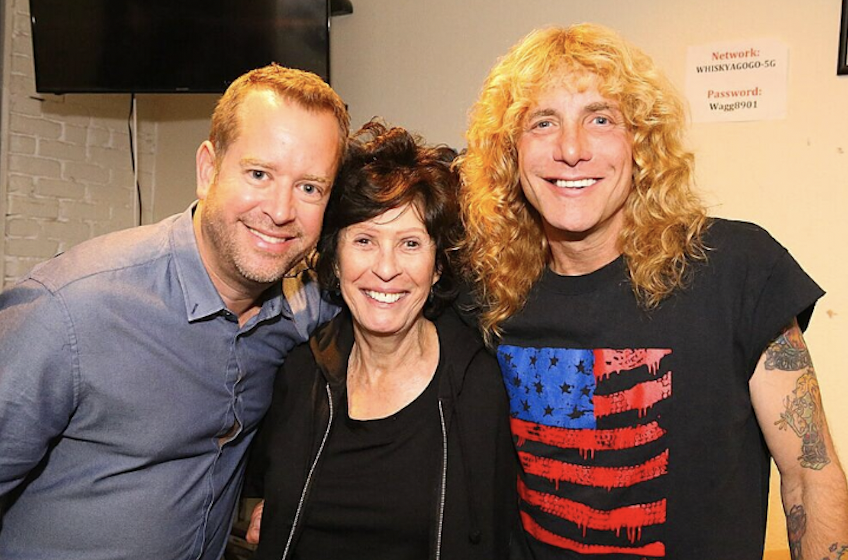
442	492
311	473
444	477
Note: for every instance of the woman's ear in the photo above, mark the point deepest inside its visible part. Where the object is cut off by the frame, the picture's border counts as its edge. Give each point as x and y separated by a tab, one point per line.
437	274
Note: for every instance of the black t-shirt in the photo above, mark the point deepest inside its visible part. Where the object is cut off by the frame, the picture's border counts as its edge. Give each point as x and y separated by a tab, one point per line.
635	429
374	495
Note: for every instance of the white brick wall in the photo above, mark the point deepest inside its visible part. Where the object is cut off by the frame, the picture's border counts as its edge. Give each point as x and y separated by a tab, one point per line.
67	174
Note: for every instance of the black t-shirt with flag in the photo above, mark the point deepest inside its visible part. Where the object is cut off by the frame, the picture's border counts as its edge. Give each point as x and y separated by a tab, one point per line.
635	429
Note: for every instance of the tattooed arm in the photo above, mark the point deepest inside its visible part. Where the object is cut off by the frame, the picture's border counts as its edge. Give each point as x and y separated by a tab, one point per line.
785	394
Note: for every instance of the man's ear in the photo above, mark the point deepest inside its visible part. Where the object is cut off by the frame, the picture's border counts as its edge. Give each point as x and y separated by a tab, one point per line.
205	168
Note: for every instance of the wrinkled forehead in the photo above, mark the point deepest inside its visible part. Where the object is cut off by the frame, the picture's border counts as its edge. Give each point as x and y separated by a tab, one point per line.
566	81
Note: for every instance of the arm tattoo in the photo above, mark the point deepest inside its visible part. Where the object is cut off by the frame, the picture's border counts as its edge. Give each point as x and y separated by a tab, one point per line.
802	410
803	415
840	552
788	352
796	526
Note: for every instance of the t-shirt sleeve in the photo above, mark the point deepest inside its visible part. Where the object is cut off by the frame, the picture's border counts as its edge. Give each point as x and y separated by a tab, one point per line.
38	385
783	292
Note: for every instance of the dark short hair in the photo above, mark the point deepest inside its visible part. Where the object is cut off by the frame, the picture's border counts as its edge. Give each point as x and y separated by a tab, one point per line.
387	168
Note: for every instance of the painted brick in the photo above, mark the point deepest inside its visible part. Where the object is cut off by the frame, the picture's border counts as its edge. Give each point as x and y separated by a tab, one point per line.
22	227
28	106
21	85
147	138
120	140
21	23
122	218
54	106
68	113
34	207
56	188
114	107
33	165
109	193
84	172
111	157
40	127
21	184
123	178
24	145
43	248
80	210
21	44
98	136
61	150
22	64
76	135
145	176
66	233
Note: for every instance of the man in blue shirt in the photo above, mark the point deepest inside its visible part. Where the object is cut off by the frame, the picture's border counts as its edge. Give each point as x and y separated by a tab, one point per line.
135	368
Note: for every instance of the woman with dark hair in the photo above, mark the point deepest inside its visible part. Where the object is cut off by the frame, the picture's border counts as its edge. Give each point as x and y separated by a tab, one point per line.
388	435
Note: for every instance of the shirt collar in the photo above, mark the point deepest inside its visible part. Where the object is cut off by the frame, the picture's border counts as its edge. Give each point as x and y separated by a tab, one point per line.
201	297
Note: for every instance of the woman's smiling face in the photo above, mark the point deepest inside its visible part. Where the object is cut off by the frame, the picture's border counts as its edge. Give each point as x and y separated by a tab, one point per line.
386	267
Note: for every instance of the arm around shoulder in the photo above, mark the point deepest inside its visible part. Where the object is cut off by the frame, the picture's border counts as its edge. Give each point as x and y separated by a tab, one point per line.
786	398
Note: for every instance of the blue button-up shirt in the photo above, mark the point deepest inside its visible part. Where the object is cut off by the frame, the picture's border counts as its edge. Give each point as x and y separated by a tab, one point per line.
129	395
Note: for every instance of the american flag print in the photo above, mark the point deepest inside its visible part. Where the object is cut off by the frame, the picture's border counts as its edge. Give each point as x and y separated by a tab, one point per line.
592	446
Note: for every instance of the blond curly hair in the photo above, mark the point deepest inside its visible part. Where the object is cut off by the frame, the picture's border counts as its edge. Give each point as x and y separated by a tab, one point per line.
505	250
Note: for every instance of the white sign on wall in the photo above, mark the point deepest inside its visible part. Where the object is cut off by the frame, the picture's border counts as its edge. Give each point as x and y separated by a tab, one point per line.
738	81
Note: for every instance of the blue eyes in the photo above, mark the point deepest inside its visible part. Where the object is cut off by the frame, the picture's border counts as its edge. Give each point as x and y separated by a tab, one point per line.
599	120
308	191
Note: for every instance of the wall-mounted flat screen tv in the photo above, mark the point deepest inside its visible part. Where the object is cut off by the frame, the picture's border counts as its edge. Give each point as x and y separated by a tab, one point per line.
159	46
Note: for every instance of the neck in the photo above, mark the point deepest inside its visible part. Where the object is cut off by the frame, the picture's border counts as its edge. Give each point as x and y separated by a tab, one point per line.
374	357
572	261
386	374
577	255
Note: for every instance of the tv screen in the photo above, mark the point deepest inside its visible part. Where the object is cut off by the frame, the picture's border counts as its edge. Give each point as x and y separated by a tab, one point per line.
158	46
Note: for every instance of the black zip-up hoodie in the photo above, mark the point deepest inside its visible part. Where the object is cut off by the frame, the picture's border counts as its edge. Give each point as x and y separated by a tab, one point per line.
475	507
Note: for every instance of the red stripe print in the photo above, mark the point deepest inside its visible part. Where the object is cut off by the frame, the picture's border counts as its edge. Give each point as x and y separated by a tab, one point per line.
587	441
630	518
601	477
608	361
640	397
654	549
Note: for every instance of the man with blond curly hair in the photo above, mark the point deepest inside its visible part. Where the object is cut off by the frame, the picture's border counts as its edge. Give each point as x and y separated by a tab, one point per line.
653	355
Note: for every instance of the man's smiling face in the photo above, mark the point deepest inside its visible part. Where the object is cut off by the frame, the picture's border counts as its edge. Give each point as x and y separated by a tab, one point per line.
575	159
263	203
